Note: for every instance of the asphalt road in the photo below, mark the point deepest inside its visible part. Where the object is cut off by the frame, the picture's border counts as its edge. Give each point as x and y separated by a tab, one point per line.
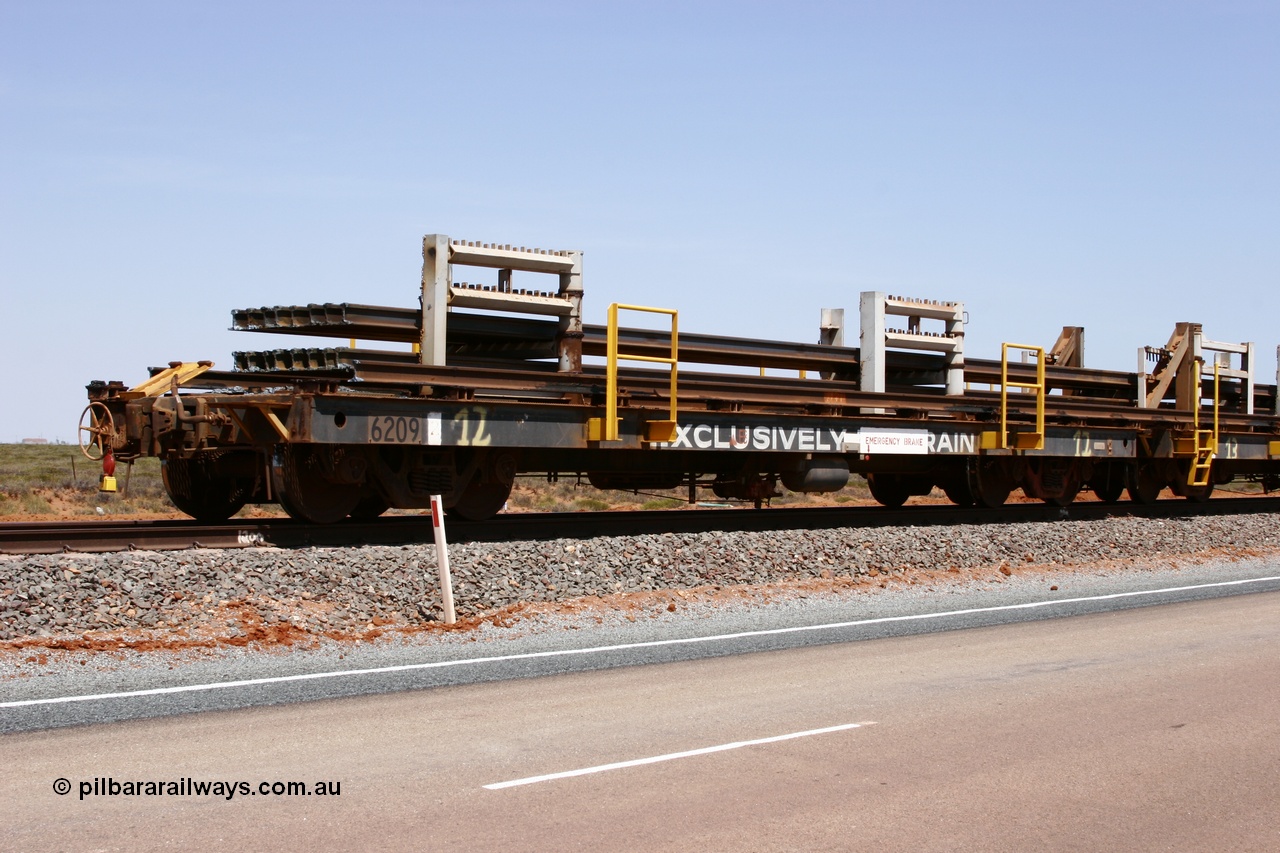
78	689
1141	729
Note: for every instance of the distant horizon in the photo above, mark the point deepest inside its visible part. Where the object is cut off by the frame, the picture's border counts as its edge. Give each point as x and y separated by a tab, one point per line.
1102	165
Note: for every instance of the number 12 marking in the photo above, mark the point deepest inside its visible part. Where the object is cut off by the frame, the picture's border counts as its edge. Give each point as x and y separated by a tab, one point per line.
472	433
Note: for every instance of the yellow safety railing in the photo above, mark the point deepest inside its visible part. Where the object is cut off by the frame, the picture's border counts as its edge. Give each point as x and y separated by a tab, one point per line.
656	430
1206	441
1021	440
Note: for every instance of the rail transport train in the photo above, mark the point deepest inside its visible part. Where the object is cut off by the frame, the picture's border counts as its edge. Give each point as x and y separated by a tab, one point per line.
482	382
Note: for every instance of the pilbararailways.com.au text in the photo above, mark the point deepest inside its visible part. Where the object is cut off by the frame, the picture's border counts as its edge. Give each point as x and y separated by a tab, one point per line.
106	786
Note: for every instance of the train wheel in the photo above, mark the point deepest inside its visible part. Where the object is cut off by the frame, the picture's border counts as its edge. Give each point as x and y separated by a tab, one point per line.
1070	487
1109	492
1197	494
1146	481
888	489
1107	483
199	489
488	490
989	482
369	507
1054	481
1066	496
305	488
959	493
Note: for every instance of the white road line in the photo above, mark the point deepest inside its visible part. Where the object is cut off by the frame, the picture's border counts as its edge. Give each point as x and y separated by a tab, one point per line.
650	644
671	756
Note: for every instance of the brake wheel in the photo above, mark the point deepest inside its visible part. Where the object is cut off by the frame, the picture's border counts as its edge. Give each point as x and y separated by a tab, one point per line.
97	431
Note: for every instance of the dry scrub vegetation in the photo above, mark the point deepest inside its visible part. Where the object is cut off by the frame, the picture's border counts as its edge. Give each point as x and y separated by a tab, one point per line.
55	481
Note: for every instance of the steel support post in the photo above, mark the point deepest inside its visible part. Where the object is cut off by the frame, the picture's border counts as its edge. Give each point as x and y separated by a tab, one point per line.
876	337
871	342
955	358
831	327
569	335
1246	365
831	332
1244	375
1186	382
435	298
1142	378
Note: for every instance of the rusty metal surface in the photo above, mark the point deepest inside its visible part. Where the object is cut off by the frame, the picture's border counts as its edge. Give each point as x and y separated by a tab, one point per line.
59	537
102	536
475	336
703	391
478	339
332	319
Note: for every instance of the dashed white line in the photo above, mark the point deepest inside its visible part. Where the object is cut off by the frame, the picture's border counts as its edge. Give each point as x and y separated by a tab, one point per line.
671	756
649	644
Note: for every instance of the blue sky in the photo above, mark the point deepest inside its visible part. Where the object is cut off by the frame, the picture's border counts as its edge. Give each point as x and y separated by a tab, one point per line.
1111	165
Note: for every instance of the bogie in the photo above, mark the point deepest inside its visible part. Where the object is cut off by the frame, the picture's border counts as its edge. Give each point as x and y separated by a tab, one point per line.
488	487
1053	480
894	489
210	487
308	482
989	481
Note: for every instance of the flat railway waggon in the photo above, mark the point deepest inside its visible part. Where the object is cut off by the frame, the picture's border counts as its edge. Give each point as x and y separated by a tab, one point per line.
482	383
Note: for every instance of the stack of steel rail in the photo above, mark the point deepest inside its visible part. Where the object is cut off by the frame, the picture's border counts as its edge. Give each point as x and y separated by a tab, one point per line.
507	355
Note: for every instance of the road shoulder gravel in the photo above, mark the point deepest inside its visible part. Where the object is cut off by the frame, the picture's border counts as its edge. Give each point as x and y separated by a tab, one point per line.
526	637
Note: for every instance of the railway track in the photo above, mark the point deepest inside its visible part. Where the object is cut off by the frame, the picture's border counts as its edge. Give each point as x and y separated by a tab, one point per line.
106	536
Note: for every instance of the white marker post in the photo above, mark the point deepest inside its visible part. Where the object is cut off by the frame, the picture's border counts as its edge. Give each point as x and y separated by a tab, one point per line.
442	559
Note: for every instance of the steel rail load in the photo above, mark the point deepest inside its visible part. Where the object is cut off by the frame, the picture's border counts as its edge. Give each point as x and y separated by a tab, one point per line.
495	385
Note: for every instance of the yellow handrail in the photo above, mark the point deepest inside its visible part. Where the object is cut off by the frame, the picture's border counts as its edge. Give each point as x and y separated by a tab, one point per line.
657	430
1206	441
1021	440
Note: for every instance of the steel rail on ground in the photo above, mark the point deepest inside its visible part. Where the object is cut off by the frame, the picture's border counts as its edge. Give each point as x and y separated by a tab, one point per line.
108	536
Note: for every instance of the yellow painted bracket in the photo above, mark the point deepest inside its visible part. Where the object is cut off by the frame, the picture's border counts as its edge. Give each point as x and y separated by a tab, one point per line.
655	431
660	431
267	410
1021	440
1273	449
276	424
596	430
163	381
608	429
1026	441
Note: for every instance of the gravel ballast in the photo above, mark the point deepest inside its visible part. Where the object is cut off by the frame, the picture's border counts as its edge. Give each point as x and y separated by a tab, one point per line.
249	594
